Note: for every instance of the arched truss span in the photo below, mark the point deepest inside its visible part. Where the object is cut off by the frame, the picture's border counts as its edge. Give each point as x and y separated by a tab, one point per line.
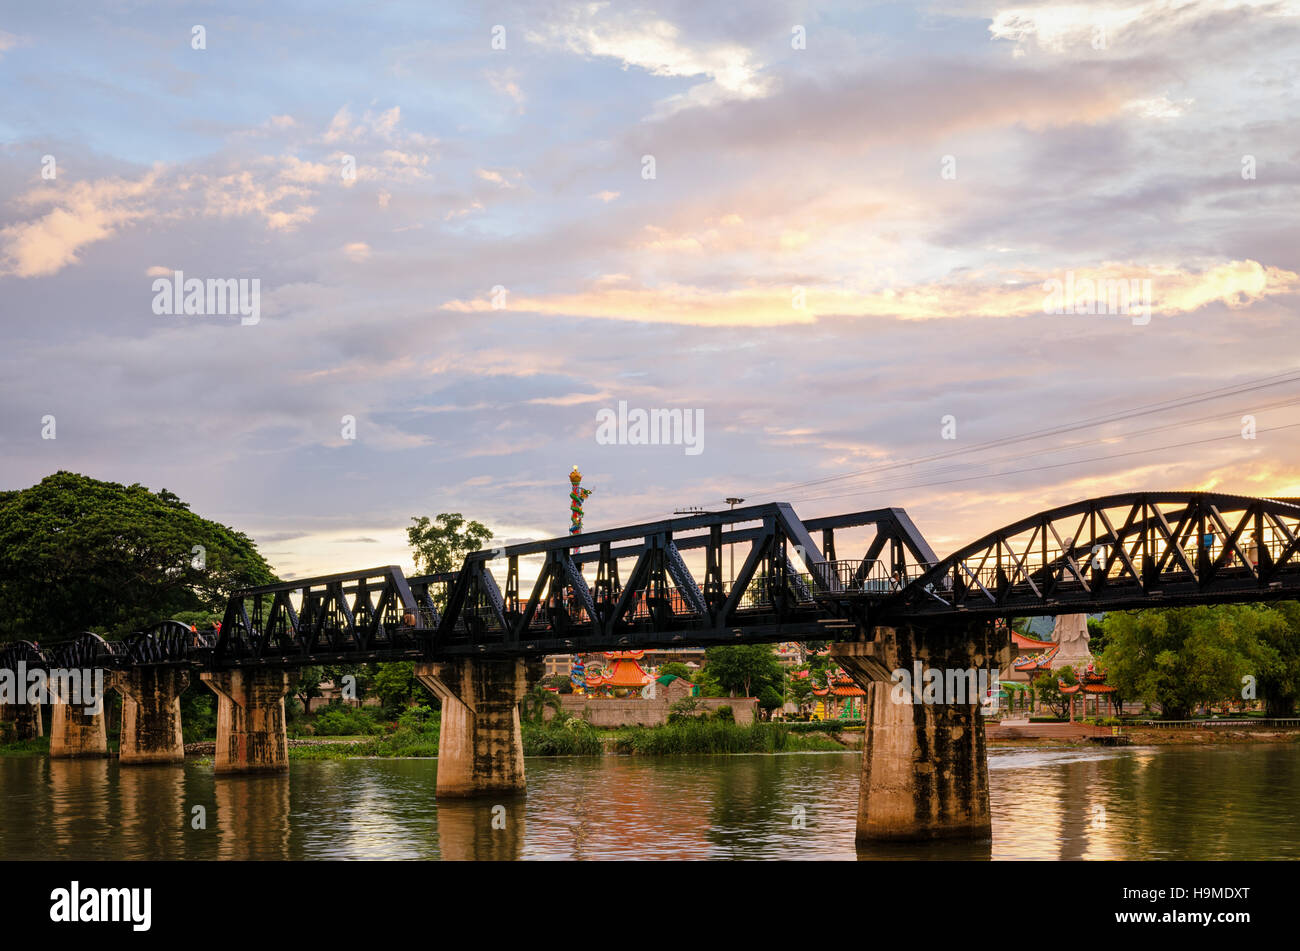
82	651
26	652
165	642
1121	551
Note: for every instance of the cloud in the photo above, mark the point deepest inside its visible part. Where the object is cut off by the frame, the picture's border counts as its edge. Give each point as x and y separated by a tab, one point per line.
506	178
1173	291
661	48
80	214
1085	29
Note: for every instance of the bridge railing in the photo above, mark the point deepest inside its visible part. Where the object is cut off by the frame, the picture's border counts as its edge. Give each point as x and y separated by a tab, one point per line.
872	578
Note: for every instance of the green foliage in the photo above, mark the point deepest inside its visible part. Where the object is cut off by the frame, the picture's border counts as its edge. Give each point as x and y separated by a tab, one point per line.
80	554
34	747
744	667
1183	658
419	718
725	714
675	668
1096	636
716	736
532	706
687	708
769	699
800	689
395	686
198	713
442	544
340	720
823	726
708	685
572	738
1049	693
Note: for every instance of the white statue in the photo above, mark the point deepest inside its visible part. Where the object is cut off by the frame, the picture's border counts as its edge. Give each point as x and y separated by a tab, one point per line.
1071	632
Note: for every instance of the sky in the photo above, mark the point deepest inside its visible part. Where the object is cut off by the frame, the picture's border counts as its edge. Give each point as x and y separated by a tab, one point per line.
852	241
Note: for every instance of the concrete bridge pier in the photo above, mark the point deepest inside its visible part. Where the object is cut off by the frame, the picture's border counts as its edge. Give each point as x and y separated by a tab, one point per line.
251	735
75	731
481	745
25	718
924	761
151	714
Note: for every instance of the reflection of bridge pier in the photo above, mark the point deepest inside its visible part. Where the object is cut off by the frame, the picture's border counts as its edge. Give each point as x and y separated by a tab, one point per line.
81	810
480	743
252	817
480	830
924	765
153	810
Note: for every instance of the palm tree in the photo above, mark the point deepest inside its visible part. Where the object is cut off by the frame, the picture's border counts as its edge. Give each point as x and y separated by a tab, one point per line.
534	703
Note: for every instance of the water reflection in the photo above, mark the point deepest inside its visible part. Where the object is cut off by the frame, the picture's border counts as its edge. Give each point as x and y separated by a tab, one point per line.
252	815
471	830
1194	803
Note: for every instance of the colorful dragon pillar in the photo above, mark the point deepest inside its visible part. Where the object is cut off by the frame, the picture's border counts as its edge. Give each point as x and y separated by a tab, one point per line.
577	495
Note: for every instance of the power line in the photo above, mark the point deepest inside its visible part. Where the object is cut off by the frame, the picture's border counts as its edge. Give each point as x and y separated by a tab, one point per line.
1102	439
1058	465
1147	409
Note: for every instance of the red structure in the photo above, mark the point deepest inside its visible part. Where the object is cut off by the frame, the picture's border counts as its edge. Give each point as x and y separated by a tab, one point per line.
1091	684
626	677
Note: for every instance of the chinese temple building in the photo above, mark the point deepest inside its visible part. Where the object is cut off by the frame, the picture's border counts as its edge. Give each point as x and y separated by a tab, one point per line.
1091	684
626	677
840	699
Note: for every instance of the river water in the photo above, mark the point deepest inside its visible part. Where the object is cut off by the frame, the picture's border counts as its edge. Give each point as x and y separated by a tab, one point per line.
1231	802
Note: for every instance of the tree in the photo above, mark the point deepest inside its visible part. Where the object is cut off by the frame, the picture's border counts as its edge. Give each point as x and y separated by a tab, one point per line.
442	544
744	667
395	685
1183	658
1096	636
769	699
1277	656
1048	690
532	706
800	690
80	554
675	668
307	685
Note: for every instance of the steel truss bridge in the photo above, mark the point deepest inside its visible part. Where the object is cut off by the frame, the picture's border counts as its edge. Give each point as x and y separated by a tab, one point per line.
631	588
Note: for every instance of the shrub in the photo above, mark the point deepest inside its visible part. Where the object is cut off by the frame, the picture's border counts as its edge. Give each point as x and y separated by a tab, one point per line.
717	736
688	708
420	719
725	714
566	740
338	720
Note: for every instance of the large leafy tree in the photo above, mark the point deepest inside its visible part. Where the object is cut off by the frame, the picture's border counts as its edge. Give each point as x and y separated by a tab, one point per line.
746	668
1278	658
1182	658
80	554
442	544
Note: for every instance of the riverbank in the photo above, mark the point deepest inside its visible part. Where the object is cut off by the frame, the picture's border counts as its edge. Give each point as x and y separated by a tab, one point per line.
690	738
1166	736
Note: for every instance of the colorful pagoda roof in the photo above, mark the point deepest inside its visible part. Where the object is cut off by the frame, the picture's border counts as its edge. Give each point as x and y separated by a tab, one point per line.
626	671
1041	661
1022	642
841	685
